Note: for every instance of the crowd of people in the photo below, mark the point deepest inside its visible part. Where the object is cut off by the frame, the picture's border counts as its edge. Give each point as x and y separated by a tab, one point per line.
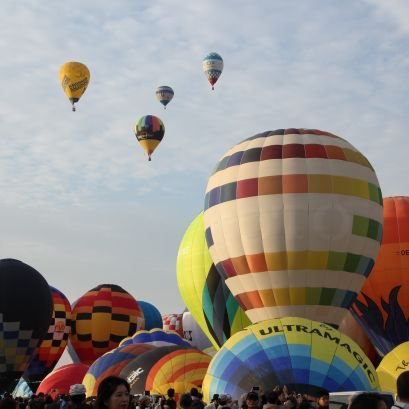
114	393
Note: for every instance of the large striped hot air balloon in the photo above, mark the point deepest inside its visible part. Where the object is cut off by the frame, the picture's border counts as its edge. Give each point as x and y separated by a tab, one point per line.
293	221
156	337
101	318
203	289
382	307
53	344
212	66
302	354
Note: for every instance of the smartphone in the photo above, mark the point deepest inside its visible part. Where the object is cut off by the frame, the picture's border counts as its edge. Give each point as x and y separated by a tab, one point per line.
255	388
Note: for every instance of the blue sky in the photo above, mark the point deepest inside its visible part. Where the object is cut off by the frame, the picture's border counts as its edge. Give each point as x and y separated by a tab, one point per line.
79	200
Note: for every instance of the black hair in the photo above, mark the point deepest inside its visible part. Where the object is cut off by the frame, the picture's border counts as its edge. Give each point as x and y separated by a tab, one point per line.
185	401
402	385
366	400
171	392
106	388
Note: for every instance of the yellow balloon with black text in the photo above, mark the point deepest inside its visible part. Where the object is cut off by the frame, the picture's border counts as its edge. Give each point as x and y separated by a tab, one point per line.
74	79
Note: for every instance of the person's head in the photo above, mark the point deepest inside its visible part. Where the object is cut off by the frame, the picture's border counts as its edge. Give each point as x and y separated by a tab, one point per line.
113	393
215	398
171	393
252	399
186	401
144	401
225	400
7	403
322	397
402	387
194	393
77	393
368	400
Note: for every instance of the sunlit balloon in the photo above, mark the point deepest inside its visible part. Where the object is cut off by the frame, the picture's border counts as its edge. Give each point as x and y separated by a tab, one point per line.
153	317
302	354
101	319
149	131
74	79
392	365
25	313
112	363
212	66
22	390
293	220
156	337
53	344
60	379
167	367
173	322
164	94
382	307
193	333
203	289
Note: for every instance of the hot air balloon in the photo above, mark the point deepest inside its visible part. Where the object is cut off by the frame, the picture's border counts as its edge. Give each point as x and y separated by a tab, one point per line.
74	79
53	344
25	314
203	289
164	94
302	354
153	318
293	221
193	333
392	365
62	378
212	66
173	322
382	307
22	390
112	363
101	318
156	337
149	131
174	367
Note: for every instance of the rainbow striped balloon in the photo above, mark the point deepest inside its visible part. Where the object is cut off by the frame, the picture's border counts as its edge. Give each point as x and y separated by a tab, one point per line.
293	221
305	355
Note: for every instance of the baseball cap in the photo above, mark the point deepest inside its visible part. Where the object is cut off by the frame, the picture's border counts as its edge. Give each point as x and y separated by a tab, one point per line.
77	389
252	396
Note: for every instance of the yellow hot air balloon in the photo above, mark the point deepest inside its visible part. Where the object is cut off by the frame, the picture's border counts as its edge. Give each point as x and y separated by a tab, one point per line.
74	79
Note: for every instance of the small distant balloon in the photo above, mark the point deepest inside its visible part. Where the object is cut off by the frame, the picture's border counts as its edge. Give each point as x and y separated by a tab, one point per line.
212	67
164	94
149	131
74	79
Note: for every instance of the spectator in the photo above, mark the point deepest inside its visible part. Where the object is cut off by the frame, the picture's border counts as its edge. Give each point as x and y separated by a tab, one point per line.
402	388
113	393
214	403
252	400
186	401
197	402
171	402
368	400
77	394
225	401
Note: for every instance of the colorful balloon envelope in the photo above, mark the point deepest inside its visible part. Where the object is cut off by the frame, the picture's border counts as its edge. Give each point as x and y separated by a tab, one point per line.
305	355
101	319
174	367
173	322
156	337
25	313
149	132
164	94
203	289
212	66
60	380
293	221
74	79
112	363
382	307
153	317
193	333
392	365
53	344
22	390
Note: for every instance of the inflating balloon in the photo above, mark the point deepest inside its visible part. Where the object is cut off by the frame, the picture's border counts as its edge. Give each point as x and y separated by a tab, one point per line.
193	333
62	378
173	322
25	313
74	79
392	365
22	390
382	307
174	367
156	337
153	317
203	289
112	363
164	94
53	344
149	131
304	355
212	66
101	319
293	221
